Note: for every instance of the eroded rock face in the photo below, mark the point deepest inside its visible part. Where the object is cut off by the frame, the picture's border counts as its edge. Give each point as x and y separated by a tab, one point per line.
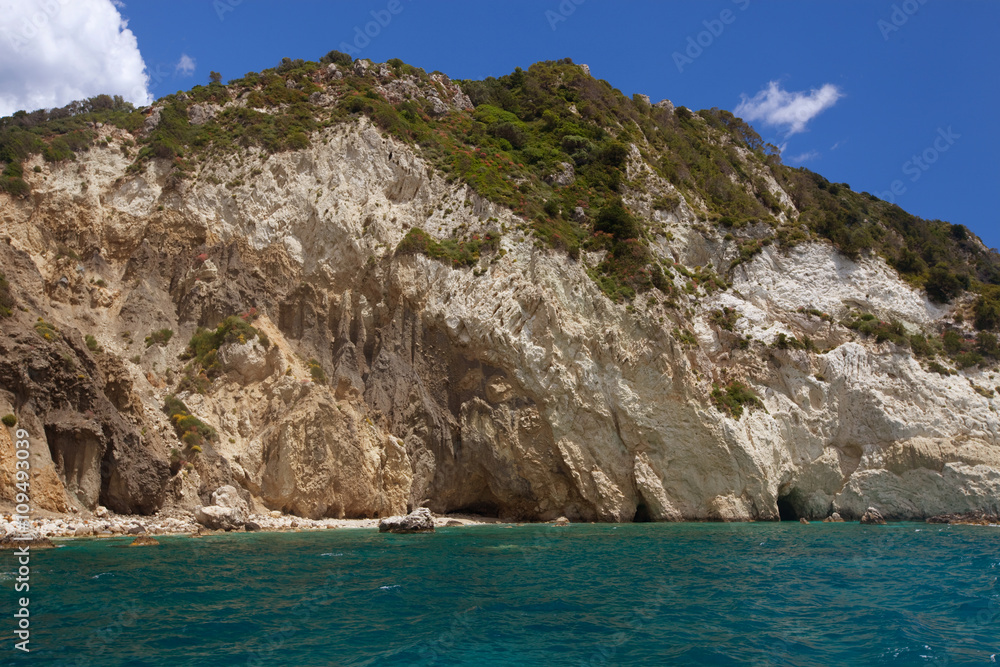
872	517
515	389
324	459
228	510
419	520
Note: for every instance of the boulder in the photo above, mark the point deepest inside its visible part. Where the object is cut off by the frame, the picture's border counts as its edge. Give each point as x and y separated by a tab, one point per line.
417	521
804	520
144	541
228	510
35	543
561	521
248	361
251	527
136	530
872	517
665	104
833	518
565	176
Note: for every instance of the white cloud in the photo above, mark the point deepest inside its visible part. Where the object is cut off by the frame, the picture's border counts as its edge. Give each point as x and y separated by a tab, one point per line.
803	157
781	108
55	51
185	66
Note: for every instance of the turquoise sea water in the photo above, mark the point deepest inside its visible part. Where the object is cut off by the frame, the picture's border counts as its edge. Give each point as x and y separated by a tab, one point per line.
636	594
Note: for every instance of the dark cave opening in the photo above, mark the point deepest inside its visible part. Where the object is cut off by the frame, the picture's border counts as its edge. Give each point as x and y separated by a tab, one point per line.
642	514
786	511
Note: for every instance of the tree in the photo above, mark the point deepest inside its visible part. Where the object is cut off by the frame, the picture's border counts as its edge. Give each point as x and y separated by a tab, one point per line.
215	77
337	58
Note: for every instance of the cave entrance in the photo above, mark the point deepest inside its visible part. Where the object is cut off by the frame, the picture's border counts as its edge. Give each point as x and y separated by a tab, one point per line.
642	514
786	511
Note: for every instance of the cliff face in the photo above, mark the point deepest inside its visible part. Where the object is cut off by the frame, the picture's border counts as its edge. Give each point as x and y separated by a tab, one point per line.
512	387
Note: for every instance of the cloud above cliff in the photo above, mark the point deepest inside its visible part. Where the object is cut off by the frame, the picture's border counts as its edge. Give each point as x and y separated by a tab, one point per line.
790	111
185	66
56	51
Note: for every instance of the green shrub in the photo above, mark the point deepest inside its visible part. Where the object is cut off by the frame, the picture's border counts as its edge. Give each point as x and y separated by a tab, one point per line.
734	397
45	329
892	331
191	430
614	219
942	285
204	346
456	252
92	343
987	309
953	342
935	367
7	301
316	371
9	420
921	346
968	359
725	318
986	344
159	337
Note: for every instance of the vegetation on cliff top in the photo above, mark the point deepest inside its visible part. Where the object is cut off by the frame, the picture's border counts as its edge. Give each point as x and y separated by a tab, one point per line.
547	142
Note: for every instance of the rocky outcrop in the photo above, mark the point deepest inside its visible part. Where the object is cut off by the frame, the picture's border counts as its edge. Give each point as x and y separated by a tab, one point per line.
228	510
419	520
872	517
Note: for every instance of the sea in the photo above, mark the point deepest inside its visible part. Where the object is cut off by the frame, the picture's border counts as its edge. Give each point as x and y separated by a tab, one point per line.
535	594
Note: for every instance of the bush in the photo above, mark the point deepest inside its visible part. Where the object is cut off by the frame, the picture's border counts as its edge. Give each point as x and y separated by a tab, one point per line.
204	346
935	367
456	252
953	342
725	318
987	309
942	285
160	337
9	420
615	219
968	359
734	397
892	330
191	430
7	302
45	329
92	343
316	371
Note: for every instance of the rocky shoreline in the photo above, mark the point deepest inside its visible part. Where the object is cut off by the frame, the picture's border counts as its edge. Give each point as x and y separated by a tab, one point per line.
104	524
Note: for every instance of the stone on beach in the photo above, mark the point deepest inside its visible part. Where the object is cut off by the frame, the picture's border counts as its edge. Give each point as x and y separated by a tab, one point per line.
872	517
228	510
417	521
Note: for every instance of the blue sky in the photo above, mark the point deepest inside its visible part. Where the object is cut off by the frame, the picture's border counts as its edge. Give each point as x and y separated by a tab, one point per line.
883	95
